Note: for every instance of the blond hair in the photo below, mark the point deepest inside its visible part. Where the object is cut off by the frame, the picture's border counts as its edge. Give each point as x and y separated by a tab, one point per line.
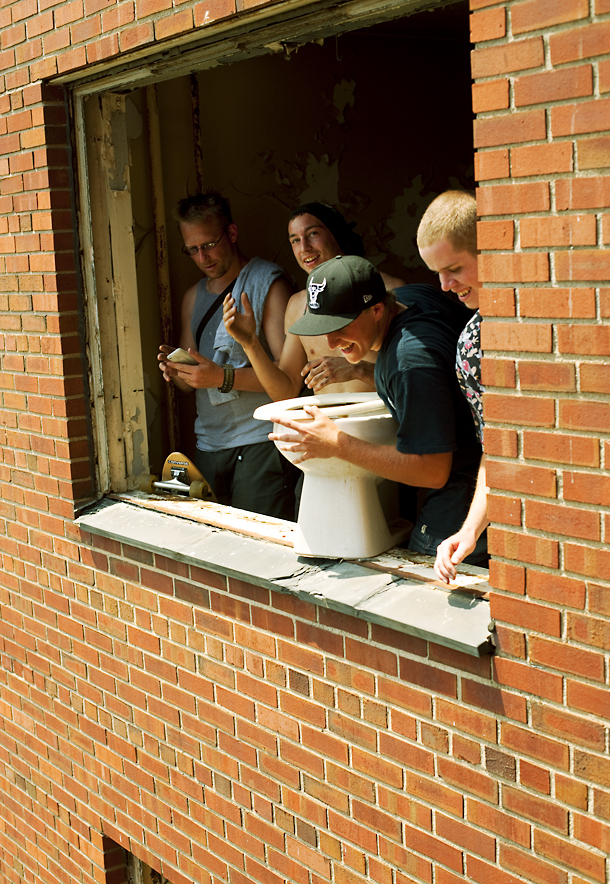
453	215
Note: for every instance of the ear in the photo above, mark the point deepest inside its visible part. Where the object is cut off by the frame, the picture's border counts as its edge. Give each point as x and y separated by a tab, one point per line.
377	310
232	232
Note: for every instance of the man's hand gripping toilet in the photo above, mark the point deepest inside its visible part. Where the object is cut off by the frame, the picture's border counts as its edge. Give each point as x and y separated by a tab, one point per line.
319	437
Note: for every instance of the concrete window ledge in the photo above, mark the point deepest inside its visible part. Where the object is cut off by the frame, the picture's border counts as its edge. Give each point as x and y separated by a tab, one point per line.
397	589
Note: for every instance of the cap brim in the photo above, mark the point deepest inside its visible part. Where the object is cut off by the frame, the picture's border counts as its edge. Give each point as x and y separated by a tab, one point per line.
321	324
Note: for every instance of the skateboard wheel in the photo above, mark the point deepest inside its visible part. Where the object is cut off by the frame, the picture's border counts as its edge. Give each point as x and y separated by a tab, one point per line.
200	489
146	482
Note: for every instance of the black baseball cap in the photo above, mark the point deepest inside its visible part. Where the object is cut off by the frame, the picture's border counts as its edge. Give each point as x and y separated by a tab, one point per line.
337	292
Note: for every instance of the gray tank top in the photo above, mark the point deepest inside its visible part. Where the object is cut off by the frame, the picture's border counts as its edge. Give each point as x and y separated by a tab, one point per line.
228	424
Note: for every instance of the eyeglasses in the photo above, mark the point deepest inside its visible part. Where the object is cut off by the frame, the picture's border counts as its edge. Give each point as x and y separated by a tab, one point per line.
192	251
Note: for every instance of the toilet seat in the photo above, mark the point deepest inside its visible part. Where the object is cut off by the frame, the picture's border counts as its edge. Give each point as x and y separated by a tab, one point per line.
333	405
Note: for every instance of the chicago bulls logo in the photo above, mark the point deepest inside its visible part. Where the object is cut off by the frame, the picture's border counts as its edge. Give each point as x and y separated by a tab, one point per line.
314	290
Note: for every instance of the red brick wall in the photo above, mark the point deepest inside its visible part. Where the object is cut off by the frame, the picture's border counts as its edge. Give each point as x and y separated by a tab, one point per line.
146	705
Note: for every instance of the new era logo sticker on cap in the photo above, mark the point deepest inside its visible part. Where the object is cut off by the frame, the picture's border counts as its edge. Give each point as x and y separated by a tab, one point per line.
314	290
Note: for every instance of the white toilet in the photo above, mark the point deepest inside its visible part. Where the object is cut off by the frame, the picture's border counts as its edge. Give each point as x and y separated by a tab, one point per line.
341	515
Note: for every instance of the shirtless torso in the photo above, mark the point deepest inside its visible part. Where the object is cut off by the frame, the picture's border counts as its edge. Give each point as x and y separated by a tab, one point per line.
304	360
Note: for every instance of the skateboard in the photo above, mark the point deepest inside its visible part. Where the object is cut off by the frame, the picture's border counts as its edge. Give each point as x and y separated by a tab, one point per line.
179	476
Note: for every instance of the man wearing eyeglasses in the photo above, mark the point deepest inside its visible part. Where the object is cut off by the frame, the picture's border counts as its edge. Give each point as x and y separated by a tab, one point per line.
244	469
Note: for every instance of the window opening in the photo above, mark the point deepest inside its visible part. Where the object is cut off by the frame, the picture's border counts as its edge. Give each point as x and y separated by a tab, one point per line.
377	122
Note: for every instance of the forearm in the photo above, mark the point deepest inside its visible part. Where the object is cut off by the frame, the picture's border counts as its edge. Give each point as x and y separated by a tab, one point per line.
476	521
420	470
270	377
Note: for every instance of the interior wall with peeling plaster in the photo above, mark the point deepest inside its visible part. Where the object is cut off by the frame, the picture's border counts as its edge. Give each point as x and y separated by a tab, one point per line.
376	122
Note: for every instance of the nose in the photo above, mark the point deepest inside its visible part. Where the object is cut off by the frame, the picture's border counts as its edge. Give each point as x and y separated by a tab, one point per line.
332	340
446	280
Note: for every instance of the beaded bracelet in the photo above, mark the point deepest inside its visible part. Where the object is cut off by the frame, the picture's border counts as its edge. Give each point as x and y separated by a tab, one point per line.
229	379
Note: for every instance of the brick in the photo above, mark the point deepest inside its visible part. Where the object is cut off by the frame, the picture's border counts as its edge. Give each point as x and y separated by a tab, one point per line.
575	82
495	234
519	337
464	777
177	23
503	824
566	230
588	698
510	578
594	416
593	153
483	873
594	378
583	193
560	303
561	448
590	488
536	14
490	164
206	12
474	723
516	267
532	776
569	854
575	44
497	302
513	128
577	119
579	731
507	58
521	479
490	95
570	791
527	864
598	599
592	832
136	35
529	680
594	340
529	615
555	589
521	410
487	24
589	561
471	839
586	264
541	159
565	658
606	229
513	199
506	510
537	809
498	372
548	376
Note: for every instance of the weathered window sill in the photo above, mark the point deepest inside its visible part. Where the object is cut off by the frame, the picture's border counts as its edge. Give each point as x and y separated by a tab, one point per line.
397	589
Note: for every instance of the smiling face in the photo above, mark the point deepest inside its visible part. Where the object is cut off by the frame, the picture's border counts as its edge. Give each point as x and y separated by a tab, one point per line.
457	270
311	241
360	336
218	261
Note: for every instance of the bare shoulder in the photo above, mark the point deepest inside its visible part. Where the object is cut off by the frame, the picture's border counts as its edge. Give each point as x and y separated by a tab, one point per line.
188	301
296	306
392	282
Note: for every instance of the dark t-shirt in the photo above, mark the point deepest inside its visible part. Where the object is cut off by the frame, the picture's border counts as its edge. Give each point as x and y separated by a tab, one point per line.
415	377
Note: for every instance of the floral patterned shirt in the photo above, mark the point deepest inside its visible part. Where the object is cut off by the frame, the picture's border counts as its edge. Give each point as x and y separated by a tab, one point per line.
468	369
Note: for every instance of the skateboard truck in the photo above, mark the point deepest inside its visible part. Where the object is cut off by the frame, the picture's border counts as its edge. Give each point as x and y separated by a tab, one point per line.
179	476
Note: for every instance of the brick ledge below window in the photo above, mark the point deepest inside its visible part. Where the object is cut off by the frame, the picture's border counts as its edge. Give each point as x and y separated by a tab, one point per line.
397	589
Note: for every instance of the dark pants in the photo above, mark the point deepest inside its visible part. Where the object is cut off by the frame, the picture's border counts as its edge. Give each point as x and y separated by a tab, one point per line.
255	477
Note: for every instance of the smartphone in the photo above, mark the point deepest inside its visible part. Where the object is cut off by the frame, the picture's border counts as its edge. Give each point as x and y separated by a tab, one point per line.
181	355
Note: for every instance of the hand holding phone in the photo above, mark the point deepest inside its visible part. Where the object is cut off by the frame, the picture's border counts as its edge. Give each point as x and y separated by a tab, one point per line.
180	355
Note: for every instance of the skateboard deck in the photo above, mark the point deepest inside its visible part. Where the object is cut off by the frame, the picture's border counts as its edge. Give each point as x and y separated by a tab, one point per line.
179	476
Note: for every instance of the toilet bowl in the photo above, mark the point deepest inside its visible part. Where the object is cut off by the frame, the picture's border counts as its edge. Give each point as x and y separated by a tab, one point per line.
341	514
